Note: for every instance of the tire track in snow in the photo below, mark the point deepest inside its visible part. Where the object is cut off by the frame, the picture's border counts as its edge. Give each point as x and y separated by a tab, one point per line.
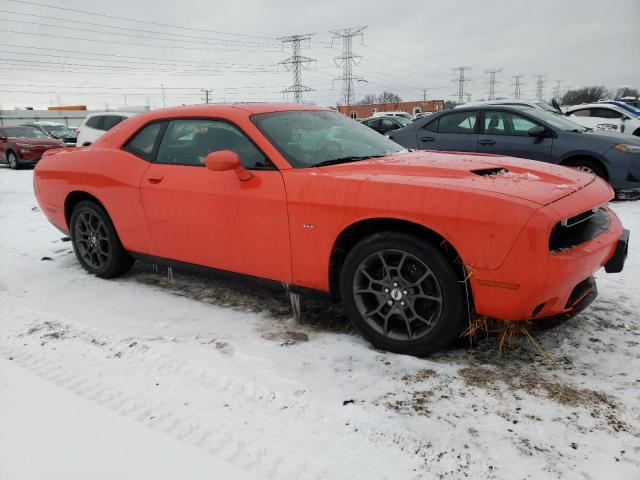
264	431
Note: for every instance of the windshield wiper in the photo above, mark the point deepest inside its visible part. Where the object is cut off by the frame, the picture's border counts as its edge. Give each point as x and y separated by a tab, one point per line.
352	158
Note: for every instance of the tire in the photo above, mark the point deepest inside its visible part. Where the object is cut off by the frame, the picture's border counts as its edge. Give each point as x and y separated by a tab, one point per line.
415	304
588	166
12	160
96	243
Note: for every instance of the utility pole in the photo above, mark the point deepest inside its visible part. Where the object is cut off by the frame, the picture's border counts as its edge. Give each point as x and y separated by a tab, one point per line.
461	79
207	96
492	82
556	89
163	102
125	99
468	97
347	60
296	63
424	94
517	84
540	86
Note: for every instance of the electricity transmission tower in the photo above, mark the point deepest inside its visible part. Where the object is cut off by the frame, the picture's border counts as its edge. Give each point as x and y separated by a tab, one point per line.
556	89
461	79
540	86
207	94
517	84
347	60
296	63
492	82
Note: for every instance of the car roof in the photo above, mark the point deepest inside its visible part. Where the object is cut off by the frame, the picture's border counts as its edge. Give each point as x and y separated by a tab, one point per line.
612	106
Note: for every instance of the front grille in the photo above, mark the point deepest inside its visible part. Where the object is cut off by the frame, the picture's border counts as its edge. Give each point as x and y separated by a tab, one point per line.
578	229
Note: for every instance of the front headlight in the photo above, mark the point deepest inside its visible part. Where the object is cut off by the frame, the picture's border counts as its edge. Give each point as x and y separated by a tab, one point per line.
623	147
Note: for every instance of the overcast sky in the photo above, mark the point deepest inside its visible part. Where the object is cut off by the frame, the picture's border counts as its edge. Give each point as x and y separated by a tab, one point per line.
57	55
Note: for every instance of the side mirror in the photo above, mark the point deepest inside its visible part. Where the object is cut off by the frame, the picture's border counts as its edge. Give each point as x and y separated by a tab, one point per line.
224	160
537	131
555	104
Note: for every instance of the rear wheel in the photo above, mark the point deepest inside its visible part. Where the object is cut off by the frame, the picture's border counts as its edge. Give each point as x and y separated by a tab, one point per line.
12	160
402	294
588	166
96	243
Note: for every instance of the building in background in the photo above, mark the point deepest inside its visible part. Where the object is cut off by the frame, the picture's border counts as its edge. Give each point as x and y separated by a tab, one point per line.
365	110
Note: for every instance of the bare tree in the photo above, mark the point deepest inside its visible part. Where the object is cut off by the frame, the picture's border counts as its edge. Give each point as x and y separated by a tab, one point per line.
627	92
389	97
369	98
585	95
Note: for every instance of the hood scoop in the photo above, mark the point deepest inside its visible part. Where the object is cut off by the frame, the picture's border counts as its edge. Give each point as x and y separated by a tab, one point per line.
485	172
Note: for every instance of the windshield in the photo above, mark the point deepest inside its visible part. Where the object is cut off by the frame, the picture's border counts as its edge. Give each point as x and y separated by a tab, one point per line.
307	138
558	120
59	129
24	132
404	121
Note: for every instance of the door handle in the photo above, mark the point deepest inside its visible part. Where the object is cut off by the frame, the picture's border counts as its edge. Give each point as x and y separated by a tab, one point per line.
486	142
155	178
428	139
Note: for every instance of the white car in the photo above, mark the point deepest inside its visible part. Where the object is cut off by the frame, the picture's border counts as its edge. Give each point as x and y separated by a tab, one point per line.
606	117
393	114
512	103
95	124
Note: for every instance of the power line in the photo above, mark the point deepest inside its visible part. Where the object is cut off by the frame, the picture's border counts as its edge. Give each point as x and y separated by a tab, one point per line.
461	80
296	63
347	60
492	82
540	83
517	84
136	20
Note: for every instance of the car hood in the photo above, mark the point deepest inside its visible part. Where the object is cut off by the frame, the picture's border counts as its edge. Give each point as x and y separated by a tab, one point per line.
538	182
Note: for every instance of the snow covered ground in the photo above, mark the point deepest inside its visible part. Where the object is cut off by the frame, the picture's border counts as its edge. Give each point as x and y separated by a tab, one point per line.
197	377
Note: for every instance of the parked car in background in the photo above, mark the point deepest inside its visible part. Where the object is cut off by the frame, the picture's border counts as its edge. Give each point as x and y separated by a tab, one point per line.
21	146
57	130
540	105
530	133
393	114
385	125
606	117
423	114
95	124
625	106
307	197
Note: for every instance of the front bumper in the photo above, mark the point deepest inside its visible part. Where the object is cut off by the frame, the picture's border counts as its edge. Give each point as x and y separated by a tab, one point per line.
534	282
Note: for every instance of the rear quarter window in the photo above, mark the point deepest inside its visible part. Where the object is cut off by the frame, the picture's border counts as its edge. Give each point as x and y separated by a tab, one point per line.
94	122
110	121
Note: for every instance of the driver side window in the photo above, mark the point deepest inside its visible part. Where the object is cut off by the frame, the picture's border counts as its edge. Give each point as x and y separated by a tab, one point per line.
189	141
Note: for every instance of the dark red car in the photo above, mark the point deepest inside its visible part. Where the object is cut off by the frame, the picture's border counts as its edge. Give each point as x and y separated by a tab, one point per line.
24	145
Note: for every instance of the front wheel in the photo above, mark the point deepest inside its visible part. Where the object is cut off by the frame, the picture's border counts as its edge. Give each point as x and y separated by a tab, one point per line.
12	160
402	294
96	243
588	166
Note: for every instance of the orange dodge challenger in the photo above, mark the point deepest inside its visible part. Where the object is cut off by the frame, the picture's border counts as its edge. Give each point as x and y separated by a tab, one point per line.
411	243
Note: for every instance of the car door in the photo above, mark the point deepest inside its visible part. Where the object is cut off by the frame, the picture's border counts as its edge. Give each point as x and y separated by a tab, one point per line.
607	119
507	133
214	219
450	131
583	117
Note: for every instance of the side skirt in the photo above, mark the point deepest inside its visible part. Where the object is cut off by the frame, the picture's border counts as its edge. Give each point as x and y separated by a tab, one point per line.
241	277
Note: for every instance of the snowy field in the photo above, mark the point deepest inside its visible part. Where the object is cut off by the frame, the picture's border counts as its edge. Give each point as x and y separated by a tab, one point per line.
146	377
